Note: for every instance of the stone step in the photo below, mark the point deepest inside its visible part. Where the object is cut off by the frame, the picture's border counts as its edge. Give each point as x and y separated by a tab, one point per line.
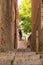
21	58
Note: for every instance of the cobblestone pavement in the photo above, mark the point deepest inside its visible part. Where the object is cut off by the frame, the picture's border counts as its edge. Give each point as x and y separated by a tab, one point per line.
21	58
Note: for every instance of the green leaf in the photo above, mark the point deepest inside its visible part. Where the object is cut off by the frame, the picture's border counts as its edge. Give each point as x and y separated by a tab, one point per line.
25	15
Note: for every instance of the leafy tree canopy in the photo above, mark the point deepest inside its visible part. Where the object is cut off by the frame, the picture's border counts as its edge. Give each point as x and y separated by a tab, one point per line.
25	15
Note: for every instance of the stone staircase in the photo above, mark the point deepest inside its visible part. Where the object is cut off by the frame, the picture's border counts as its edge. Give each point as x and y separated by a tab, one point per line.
21	57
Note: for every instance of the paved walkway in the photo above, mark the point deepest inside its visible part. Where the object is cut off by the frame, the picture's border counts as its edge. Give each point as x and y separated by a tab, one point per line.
22	44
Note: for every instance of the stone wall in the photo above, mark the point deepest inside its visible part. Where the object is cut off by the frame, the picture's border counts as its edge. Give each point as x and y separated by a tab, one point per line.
41	44
8	24
5	22
36	24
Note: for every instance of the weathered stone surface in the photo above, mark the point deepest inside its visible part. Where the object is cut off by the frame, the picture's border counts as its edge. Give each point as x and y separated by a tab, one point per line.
5	22
21	58
8	24
37	25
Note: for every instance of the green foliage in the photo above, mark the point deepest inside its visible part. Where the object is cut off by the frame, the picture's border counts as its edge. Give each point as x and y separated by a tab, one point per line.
25	15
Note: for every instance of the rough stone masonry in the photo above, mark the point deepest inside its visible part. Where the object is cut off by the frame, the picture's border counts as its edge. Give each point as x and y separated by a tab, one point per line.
8	26
21	58
5	22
